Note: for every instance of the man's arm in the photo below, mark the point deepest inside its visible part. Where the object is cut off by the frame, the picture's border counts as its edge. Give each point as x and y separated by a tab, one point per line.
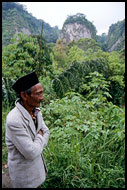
44	128
23	142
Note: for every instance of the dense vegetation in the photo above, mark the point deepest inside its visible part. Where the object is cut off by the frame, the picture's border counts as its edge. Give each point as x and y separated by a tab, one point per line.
83	108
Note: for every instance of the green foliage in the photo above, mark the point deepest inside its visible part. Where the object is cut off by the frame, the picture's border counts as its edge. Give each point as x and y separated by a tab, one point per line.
102	38
26	54
85	44
42	57
19	57
86	147
111	65
117	71
59	56
5	111
76	73
102	41
48	91
96	87
8	94
75	54
117	67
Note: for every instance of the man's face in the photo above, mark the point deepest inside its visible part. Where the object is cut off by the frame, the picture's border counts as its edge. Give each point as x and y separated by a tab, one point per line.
36	96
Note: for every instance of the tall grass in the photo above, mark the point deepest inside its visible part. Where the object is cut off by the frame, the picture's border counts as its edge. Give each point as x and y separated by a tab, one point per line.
85	162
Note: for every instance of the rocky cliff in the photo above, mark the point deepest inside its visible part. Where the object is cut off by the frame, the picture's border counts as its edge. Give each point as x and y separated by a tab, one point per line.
74	31
115	39
16	19
77	27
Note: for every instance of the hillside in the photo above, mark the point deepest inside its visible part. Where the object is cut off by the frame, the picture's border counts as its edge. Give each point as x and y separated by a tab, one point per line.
15	18
77	27
115	39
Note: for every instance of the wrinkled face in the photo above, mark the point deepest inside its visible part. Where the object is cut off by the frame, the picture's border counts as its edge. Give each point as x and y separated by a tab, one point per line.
36	96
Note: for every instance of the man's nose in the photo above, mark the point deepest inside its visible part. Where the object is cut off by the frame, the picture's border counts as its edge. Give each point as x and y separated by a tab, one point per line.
41	97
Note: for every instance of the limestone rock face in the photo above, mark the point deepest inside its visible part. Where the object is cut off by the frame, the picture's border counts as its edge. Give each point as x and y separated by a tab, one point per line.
115	44
24	30
74	31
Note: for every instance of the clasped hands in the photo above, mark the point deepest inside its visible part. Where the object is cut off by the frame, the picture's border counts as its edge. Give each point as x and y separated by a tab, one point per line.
40	132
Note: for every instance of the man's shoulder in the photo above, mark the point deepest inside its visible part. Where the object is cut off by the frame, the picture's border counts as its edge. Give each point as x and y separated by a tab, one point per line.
12	112
13	115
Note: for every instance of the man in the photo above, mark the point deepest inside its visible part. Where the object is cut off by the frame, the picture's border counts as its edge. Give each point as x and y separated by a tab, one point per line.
27	135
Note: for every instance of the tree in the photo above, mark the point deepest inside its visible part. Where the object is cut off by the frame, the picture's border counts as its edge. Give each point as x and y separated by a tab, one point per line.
116	76
74	76
24	55
75	54
60	54
43	55
19	58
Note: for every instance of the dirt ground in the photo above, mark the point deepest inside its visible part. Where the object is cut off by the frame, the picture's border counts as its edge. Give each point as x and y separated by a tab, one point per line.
6	182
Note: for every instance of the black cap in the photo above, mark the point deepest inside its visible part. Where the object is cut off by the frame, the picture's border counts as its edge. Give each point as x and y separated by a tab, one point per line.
25	82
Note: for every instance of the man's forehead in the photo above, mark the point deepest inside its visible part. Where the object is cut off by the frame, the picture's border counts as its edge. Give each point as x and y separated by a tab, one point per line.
37	87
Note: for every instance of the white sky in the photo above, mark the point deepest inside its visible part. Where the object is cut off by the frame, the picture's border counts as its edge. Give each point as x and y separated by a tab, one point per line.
102	14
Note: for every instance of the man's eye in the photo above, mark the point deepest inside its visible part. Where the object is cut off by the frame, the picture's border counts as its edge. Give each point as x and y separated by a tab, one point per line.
39	93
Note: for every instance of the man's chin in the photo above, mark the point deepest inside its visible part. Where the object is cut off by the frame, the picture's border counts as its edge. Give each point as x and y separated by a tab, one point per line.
38	105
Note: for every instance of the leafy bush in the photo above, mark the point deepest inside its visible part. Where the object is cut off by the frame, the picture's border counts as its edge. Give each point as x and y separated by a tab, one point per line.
8	94
5	111
86	147
48	91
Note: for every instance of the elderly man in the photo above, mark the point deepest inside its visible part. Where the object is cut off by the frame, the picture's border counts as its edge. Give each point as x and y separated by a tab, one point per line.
27	135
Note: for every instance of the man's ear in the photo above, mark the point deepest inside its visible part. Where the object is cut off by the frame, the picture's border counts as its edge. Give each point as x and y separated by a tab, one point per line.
23	95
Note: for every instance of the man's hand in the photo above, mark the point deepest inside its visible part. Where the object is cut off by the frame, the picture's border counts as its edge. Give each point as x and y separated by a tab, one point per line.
40	132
